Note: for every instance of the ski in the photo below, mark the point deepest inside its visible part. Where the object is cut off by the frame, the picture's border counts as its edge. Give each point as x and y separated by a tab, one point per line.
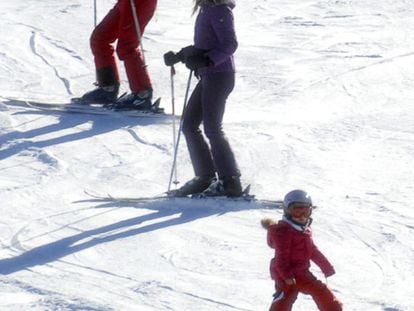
246	198
96	109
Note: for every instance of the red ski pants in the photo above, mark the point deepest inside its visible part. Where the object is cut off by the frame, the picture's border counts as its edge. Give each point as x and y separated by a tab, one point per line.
119	25
286	295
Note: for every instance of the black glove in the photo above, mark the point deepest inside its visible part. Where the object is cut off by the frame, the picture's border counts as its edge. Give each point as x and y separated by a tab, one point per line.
190	50
196	62
171	58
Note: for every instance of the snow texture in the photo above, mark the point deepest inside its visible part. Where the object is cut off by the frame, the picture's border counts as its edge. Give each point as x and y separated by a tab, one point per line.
323	101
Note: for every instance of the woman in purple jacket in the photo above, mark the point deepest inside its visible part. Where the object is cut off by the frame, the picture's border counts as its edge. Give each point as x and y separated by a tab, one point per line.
211	58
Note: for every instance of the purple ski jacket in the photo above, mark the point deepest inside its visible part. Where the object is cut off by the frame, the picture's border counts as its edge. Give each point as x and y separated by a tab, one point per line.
214	32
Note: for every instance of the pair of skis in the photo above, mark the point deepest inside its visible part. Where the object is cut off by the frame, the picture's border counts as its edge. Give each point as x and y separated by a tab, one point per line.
76	107
246	197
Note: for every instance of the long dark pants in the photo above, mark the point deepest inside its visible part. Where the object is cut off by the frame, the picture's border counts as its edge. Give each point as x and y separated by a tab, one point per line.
207	104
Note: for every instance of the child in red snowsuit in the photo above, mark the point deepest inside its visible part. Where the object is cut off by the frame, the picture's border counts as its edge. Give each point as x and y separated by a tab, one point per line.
291	238
119	25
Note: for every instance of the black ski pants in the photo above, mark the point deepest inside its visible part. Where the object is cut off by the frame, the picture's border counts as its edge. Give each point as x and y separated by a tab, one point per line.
206	105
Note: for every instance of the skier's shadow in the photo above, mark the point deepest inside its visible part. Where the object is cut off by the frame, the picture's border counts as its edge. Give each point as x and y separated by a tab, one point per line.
54	251
16	141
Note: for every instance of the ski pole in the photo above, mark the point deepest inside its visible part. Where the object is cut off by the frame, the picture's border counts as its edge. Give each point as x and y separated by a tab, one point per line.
172	73
174	165
138	29
95	10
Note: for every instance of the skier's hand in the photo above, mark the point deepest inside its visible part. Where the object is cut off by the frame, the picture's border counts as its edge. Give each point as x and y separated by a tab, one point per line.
189	51
290	282
196	62
171	58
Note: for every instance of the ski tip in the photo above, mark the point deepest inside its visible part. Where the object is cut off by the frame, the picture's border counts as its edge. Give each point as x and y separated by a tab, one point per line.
246	190
156	106
157	102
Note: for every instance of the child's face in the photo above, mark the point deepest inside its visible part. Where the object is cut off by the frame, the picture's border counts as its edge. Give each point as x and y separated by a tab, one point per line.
300	212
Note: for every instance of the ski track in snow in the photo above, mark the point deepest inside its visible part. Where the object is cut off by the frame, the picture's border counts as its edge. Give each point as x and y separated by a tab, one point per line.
65	81
142	141
43	299
57	248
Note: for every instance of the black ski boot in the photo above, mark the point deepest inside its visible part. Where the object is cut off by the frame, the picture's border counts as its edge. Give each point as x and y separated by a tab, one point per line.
101	95
196	185
134	101
107	90
227	186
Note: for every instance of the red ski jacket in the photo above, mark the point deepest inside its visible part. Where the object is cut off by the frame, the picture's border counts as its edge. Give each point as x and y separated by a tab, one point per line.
294	249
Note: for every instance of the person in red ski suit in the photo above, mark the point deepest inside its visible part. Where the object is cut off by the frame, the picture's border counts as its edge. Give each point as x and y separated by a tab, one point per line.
119	24
291	238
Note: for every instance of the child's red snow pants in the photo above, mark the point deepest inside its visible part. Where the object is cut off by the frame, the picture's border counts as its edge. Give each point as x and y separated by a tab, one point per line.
286	295
119	25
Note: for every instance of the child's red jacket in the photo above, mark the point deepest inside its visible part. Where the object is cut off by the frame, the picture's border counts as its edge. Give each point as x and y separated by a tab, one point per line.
294	249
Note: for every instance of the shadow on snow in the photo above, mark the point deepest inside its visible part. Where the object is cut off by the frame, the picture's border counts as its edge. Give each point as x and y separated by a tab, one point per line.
185	212
14	142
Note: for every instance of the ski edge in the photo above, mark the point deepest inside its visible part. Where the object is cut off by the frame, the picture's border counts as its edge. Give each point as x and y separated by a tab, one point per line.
110	197
247	199
82	109
76	108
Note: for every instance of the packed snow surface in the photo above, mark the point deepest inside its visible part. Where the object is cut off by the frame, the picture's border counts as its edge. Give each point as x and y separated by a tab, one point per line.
323	101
